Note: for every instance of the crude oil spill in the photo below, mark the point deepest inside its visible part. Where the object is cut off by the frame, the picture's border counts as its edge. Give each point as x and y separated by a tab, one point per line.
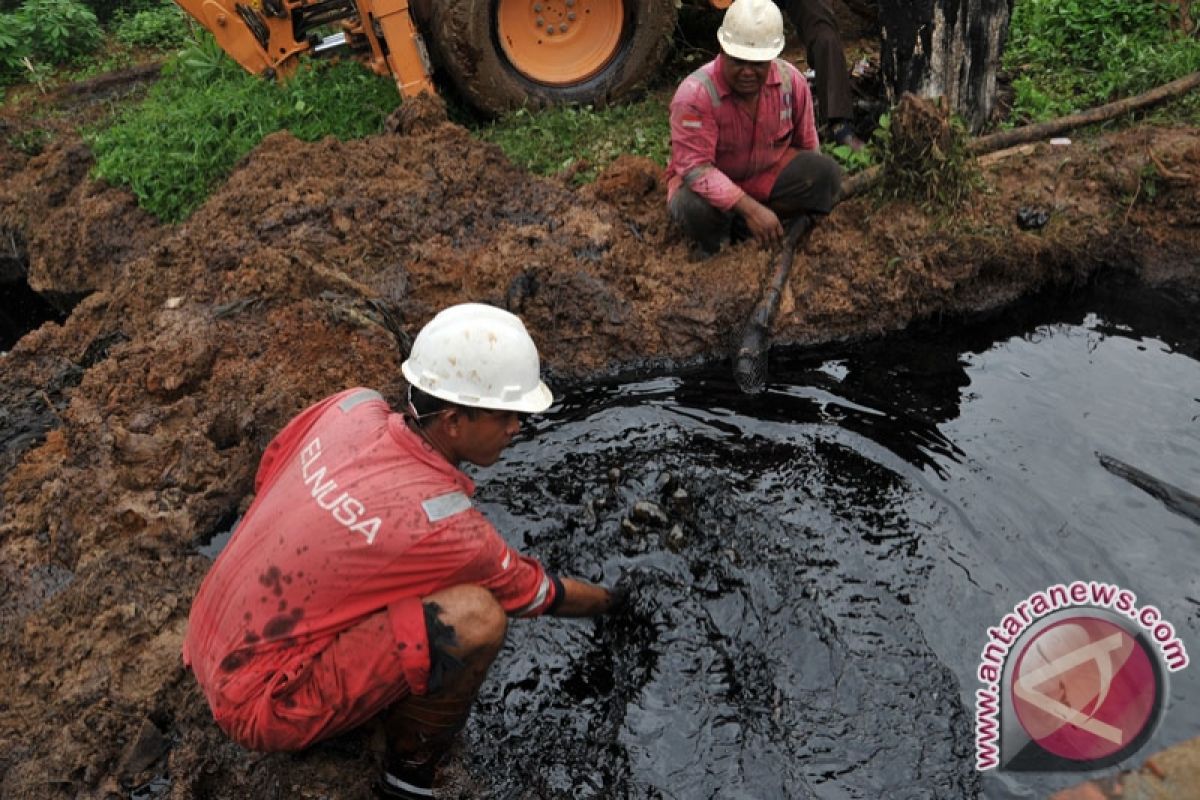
808	617
21	311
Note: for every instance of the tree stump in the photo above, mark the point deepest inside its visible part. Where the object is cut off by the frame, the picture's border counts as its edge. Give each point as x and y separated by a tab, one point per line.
945	48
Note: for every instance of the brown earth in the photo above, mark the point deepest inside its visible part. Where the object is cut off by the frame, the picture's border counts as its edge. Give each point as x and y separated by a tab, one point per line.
132	430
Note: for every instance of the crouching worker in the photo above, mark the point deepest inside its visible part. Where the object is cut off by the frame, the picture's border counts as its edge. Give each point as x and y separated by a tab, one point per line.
362	582
744	139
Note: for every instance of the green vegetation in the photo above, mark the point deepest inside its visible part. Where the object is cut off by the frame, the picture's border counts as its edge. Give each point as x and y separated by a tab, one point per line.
44	40
1070	55
108	10
163	27
851	160
582	140
60	31
14	47
205	113
42	34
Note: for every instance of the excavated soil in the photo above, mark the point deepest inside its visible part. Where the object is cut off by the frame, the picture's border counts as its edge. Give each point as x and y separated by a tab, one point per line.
129	433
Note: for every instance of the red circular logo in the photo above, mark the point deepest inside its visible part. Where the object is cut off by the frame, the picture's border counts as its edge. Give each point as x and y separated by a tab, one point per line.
1084	688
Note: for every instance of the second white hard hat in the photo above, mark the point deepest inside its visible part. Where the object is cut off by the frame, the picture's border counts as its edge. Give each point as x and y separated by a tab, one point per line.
480	356
752	30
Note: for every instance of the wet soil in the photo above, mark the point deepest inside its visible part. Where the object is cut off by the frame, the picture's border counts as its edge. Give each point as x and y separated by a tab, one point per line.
131	429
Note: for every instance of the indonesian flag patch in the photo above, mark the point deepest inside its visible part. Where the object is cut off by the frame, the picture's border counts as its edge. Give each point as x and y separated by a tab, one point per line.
689	121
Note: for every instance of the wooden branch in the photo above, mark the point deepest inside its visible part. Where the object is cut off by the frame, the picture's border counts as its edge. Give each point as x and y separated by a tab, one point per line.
987	159
1045	130
858	183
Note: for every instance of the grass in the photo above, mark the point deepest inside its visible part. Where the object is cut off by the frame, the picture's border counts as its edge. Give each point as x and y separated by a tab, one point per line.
582	140
1069	55
206	113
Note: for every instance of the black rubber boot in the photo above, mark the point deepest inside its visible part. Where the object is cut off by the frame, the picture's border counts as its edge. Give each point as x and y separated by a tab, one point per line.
401	781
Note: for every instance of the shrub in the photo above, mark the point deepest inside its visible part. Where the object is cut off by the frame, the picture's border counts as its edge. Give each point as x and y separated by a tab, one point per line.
205	113
107	10
60	31
163	27
1072	54
14	46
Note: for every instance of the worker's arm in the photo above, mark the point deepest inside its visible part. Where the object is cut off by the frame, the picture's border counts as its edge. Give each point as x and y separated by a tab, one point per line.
582	599
694	147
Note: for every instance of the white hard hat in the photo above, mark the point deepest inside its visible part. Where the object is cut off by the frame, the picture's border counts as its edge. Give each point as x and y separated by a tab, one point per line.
480	356
752	30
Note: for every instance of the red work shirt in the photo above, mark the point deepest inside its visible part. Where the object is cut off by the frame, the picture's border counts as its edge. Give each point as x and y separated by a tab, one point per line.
719	151
354	513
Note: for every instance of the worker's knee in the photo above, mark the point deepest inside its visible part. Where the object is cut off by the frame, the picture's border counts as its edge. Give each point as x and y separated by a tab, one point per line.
699	220
811	182
475	621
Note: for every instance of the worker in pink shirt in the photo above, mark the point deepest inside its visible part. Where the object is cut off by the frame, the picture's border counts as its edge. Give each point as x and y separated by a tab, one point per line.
362	583
744	138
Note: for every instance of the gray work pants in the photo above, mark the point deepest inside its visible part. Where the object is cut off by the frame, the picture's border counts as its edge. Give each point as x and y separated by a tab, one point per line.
809	184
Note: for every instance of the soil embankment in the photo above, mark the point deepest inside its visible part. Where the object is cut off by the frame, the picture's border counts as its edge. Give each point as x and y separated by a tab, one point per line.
131	431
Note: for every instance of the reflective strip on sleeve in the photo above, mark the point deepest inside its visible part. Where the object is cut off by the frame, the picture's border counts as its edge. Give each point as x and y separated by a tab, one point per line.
540	598
445	506
706	81
695	174
365	396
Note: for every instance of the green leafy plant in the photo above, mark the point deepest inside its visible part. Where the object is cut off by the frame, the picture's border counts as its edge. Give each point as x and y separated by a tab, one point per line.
851	160
14	47
1068	55
61	31
202	61
582	140
162	27
857	160
202	116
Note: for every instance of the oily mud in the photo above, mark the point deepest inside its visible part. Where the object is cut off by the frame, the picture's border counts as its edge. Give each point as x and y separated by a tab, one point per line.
132	428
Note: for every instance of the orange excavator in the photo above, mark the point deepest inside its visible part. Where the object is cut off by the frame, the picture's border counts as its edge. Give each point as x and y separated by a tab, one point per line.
499	54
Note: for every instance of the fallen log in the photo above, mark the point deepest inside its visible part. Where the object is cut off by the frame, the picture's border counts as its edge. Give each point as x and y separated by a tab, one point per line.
856	184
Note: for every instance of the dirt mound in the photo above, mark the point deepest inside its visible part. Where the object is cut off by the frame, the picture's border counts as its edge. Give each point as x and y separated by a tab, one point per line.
132	430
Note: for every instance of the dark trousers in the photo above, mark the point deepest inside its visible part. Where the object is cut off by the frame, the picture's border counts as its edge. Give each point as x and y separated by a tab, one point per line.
809	184
814	21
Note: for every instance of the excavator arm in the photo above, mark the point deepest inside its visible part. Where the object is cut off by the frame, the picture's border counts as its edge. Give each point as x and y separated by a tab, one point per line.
267	36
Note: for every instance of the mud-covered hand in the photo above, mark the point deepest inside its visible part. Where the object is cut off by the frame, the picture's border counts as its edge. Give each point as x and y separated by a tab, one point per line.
631	590
620	595
763	223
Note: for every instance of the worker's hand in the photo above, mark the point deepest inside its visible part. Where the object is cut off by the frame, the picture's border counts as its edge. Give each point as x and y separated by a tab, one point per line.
619	595
763	223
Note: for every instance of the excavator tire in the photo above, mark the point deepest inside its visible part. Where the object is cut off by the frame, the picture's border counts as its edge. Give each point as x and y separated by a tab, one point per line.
508	54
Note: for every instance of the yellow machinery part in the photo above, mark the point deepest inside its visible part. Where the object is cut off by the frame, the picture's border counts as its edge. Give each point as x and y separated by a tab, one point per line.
406	59
222	18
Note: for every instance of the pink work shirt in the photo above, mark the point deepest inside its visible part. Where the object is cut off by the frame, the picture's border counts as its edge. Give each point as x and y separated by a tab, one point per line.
354	513
719	151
